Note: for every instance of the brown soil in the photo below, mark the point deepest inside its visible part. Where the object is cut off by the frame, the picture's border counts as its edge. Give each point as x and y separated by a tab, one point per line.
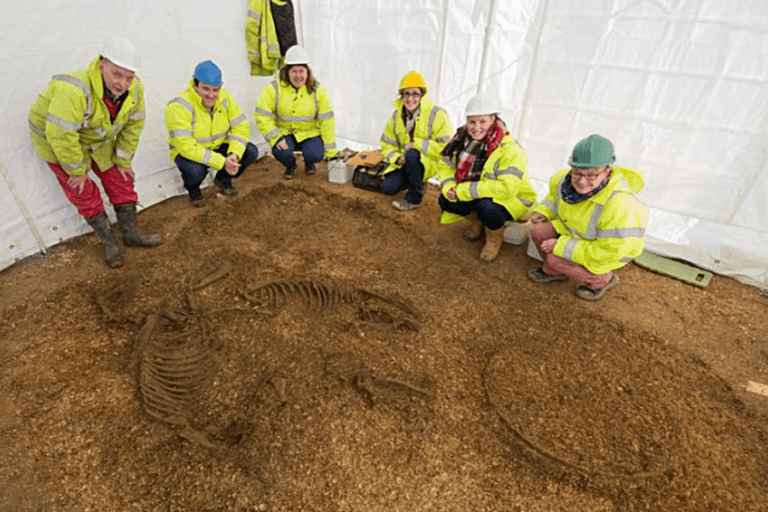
349	357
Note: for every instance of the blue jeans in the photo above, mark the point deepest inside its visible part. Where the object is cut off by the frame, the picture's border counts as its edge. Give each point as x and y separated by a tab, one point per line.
410	176
193	173
492	215
312	150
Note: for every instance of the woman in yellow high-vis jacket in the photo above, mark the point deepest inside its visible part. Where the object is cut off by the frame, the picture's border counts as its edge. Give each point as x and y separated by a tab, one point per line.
415	134
590	223
295	111
484	177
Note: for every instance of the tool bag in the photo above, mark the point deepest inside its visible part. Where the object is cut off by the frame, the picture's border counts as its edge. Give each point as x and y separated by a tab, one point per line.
368	168
369	178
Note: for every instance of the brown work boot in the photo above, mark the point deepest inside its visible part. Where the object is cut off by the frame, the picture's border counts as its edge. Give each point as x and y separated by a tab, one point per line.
493	240
475	229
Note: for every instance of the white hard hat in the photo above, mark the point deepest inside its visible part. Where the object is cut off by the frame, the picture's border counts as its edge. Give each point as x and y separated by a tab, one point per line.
296	55
483	104
121	52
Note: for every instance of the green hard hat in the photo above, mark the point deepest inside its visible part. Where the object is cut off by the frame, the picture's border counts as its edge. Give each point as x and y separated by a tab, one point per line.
594	151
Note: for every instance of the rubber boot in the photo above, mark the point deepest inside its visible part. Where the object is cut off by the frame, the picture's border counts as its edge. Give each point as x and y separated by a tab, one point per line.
475	229
132	236
100	224
493	240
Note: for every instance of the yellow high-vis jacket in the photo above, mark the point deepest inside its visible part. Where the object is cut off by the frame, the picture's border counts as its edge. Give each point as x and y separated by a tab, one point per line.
431	133
193	132
282	110
261	38
69	122
603	232
504	179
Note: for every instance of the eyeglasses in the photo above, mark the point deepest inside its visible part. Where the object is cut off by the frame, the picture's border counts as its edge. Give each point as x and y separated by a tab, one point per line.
413	94
576	176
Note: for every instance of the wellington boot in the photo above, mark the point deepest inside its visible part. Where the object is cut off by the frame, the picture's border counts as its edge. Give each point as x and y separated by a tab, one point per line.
493	240
100	224
132	236
475	229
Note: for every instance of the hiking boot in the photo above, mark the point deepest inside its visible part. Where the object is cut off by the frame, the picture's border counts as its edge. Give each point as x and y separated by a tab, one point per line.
404	206
538	275
289	172
585	292
226	187
197	198
310	169
494	238
475	229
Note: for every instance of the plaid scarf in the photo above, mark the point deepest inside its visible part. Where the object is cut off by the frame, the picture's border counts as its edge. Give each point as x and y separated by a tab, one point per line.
470	155
410	121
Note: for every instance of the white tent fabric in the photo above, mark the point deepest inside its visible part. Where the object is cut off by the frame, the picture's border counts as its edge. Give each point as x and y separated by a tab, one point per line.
679	86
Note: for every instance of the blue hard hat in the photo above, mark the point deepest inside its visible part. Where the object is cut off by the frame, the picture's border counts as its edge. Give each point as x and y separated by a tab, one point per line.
208	73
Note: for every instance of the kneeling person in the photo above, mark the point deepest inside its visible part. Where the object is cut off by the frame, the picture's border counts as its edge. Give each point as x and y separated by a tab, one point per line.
590	223
207	128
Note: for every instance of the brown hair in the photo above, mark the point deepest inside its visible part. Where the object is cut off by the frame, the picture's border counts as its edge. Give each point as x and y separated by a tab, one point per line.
311	83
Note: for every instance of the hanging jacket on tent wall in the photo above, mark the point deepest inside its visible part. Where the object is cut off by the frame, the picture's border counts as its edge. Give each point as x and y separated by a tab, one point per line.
282	14
261	39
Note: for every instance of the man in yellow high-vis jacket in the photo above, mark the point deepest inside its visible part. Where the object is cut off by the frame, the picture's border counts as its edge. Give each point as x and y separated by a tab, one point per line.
207	128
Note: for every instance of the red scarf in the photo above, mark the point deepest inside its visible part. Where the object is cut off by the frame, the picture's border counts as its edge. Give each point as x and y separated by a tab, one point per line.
474	150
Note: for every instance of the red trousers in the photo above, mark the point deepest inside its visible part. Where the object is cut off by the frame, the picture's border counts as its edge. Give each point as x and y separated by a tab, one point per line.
557	265
89	203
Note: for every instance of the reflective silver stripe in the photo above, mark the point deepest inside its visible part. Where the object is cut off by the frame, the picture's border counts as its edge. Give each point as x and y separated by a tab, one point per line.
236	121
317	107
36	129
446	181
389	156
207	157
431	122
180	133
386	139
425	146
549	204
253	53
510	170
273	47
224	104
570	246
122	154
72	167
621	233
115	129
295	119
255	15
213	137
72	127
443	139
84	87
184	103
238	139
473	193
326	115
450	162
273	133
394	128
332	145
137	115
265	113
526	202
277	94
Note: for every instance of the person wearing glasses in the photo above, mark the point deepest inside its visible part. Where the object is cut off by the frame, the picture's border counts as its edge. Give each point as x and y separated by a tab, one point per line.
413	137
484	176
590	223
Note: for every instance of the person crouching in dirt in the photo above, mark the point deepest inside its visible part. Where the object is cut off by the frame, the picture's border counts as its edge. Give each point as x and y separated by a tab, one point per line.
483	177
207	128
91	120
295	111
413	137
590	223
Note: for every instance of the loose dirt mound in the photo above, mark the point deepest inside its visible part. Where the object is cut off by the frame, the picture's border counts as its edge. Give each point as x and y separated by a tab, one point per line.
304	346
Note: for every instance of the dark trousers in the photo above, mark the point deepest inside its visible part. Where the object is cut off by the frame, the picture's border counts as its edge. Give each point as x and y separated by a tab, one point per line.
492	215
312	150
193	173
410	176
